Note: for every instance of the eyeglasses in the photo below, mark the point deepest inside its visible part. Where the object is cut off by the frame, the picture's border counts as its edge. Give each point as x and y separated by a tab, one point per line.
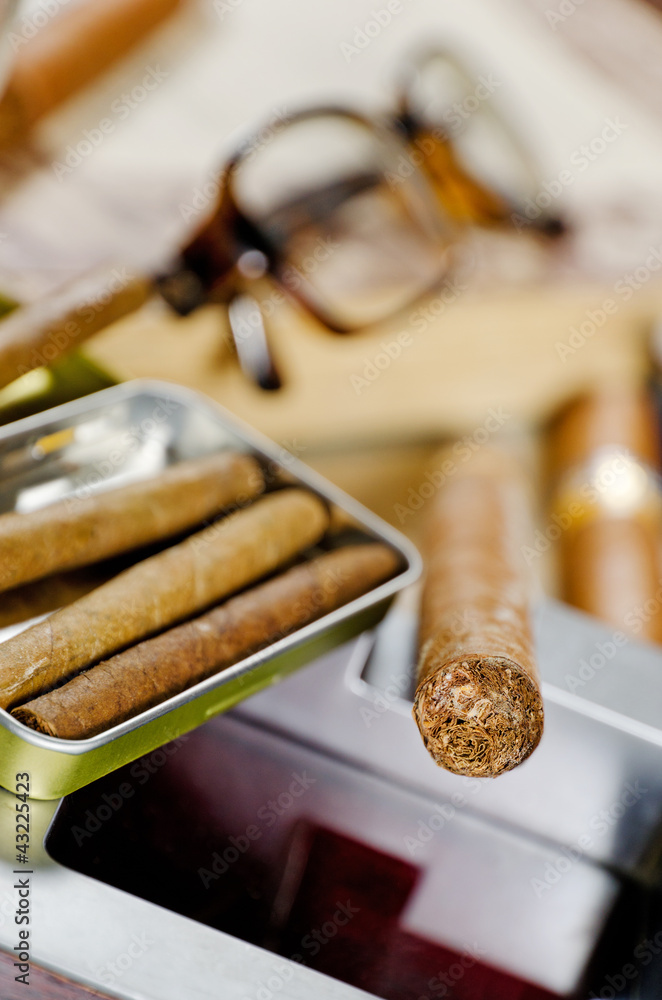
352	217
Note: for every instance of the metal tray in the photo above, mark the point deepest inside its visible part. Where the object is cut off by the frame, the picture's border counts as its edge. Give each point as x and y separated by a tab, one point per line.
112	437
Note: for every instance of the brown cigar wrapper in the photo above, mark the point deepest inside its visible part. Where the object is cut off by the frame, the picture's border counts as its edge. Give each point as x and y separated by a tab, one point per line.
78	532
610	560
159	591
478	704
158	668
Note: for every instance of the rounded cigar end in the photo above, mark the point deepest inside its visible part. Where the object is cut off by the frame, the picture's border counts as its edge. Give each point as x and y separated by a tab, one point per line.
32	720
479	716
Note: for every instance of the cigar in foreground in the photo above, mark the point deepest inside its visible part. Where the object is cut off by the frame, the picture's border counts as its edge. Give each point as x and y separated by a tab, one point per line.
607	508
478	704
160	591
79	531
150	672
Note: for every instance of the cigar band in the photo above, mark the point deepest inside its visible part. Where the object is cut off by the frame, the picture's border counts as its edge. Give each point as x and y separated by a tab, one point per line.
611	484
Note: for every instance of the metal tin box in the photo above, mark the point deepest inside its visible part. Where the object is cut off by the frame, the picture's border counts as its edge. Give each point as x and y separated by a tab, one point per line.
107	439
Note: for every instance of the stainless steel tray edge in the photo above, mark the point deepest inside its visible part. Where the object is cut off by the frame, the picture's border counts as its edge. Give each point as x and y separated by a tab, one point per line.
58	767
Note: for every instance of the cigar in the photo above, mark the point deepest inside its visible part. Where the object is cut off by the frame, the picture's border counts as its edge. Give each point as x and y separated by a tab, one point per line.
160	591
77	532
40	332
478	704
159	668
622	418
69	53
605	456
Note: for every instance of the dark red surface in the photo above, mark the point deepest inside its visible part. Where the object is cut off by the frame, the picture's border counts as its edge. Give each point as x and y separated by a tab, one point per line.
371	950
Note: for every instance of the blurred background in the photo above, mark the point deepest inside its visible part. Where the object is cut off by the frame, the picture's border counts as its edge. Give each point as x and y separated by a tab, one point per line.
498	327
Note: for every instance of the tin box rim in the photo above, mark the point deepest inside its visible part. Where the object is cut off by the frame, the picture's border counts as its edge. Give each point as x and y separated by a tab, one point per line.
260	443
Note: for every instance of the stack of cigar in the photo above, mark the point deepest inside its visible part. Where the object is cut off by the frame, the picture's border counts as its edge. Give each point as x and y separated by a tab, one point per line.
171	619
